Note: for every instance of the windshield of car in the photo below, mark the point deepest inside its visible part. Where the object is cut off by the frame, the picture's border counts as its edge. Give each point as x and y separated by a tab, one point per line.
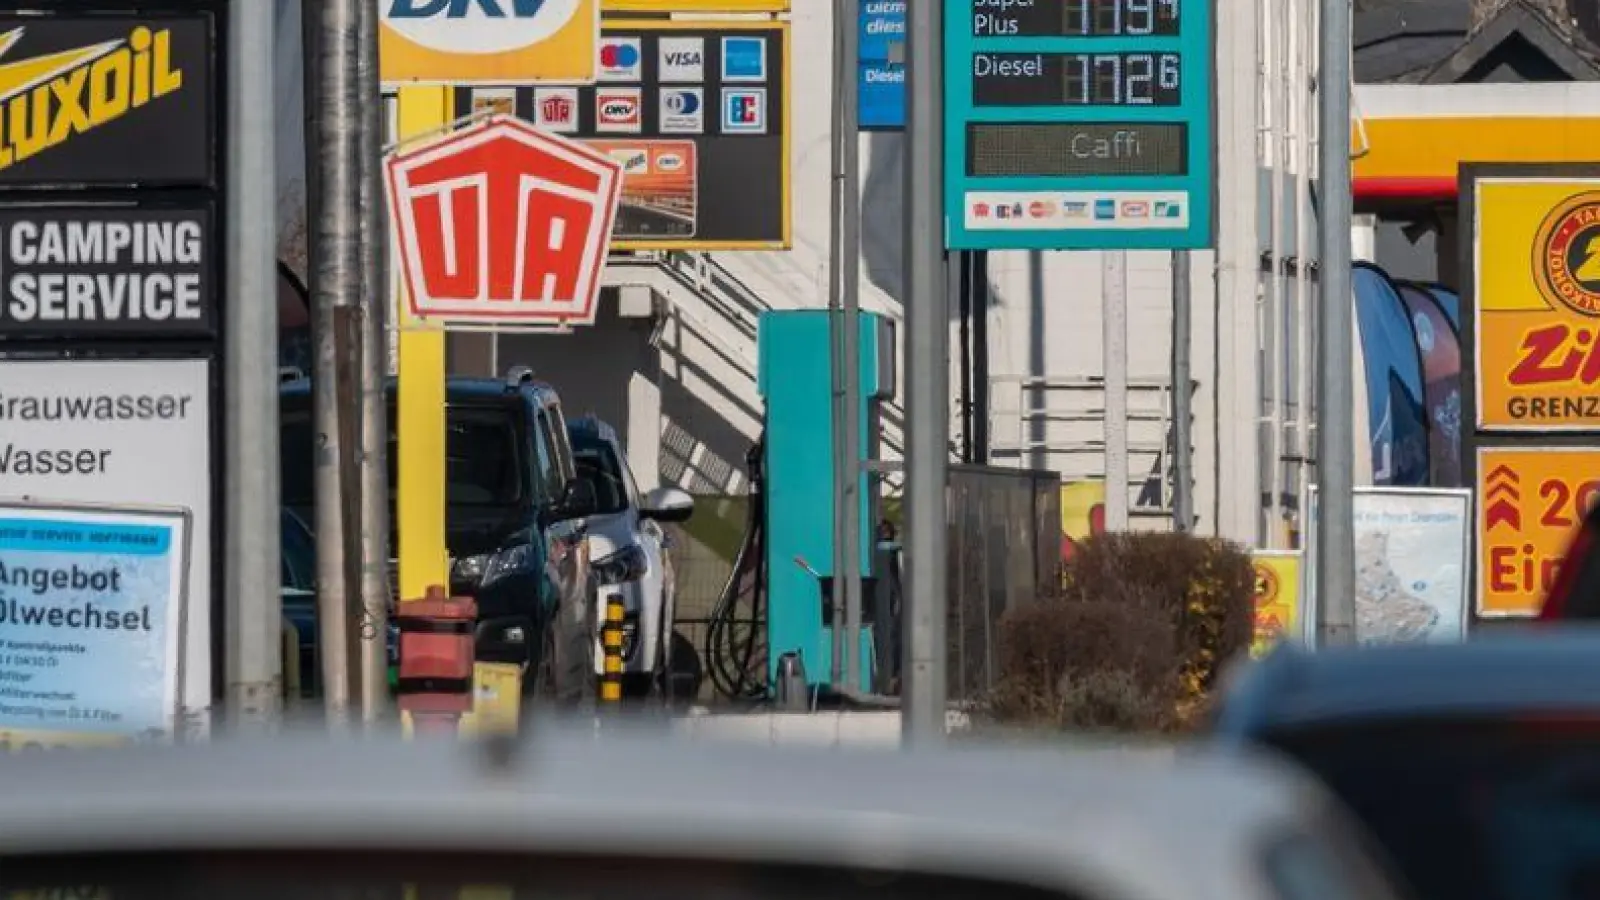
484	458
598	464
1472	810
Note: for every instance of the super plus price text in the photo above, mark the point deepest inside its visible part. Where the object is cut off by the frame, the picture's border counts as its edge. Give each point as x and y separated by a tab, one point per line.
1074	18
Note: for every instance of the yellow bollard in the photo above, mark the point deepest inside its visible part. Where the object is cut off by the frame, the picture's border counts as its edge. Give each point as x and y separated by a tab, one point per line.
611	644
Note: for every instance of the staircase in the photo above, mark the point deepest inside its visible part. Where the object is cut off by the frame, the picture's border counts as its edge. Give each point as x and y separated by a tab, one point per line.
716	316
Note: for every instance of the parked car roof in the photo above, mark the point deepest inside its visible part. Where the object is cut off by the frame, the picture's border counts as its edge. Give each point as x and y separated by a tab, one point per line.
1525	670
1139	826
455	386
592	428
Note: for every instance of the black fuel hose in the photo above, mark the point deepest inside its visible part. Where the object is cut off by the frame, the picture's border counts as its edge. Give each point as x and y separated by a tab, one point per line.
736	638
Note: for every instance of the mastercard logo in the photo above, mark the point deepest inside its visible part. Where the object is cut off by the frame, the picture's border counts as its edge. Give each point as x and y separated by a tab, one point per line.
619	55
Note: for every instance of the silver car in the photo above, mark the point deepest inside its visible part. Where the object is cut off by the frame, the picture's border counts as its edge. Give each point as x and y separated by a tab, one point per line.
622	816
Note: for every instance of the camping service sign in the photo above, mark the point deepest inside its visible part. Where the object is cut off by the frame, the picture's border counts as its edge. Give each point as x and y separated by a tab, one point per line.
106	272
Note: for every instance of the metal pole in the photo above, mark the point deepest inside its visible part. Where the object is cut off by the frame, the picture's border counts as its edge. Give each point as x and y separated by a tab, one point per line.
961	287
1114	338
336	282
836	357
927	378
849	139
1335	583
980	353
1182	395
374	298
253	618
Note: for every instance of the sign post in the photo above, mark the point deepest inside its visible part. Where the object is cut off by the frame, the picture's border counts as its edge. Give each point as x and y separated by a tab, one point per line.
424	50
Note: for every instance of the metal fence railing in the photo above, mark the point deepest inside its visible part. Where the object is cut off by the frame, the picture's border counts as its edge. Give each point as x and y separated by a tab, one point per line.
1005	549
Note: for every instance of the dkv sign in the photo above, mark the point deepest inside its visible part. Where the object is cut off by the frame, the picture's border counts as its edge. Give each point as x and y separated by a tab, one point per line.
496	42
503	224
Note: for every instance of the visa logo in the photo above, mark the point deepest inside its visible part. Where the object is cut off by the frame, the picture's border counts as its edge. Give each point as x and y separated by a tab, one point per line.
683	58
460	9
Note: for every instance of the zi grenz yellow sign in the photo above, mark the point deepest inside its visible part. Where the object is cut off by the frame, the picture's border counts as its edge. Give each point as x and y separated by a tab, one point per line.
1530	501
1277	599
1536	294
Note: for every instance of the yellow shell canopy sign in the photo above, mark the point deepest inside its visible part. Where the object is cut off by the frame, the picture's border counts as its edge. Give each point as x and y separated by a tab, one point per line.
488	42
1537	303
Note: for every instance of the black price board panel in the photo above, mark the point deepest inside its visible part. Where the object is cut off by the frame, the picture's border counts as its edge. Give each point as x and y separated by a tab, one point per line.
1076	79
1071	149
1078	18
107	272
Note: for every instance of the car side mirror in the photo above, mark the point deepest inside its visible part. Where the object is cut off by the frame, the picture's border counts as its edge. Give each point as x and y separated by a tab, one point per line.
667	504
578	501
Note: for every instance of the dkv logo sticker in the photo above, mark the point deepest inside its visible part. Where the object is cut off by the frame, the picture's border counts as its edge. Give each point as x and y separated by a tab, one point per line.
488	42
479	26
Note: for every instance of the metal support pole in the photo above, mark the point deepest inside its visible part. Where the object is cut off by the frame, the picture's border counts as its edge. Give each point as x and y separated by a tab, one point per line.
848	567
980	354
1114	338
1336	569
836	343
254	612
1182	394
373	520
961	286
335	288
927	379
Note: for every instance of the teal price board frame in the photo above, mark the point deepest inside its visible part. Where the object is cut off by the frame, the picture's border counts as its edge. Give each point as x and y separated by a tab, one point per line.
1079	125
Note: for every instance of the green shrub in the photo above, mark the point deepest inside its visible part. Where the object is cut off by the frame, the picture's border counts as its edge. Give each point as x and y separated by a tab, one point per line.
1135	639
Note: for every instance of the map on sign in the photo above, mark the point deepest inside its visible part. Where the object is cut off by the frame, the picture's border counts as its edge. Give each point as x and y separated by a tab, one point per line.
1078	124
1411	564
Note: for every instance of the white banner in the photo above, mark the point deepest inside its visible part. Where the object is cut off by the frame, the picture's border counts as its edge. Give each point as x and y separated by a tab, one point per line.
108	432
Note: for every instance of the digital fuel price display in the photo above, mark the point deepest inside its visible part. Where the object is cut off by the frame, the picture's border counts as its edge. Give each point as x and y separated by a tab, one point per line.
1075	18
1079	124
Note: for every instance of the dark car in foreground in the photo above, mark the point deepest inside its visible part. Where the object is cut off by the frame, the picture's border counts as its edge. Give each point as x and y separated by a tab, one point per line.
514	528
1475	766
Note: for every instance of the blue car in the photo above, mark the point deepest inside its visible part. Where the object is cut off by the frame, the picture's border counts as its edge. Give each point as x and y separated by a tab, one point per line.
514	529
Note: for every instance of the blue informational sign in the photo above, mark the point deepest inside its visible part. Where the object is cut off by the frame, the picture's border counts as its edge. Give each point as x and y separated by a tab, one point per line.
91	617
1079	124
881	70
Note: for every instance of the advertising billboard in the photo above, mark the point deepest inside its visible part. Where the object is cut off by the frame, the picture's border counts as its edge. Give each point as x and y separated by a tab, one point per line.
881	65
1412	565
92	614
103	271
108	100
101	431
1078	125
697	116
1530	501
1277	599
487	41
1535	299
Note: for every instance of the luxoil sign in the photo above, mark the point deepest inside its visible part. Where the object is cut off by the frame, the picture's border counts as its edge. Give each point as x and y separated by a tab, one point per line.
106	100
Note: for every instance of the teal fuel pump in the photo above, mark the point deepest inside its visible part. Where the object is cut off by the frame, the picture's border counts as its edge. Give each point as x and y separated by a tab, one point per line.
794	378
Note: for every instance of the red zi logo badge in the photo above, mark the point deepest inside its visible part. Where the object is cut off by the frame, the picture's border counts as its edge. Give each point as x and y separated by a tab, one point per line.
503	223
1566	256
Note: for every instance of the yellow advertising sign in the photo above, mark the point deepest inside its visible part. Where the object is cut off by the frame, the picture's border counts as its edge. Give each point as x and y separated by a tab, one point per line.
1083	513
1277	599
1530	501
501	42
1537	303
